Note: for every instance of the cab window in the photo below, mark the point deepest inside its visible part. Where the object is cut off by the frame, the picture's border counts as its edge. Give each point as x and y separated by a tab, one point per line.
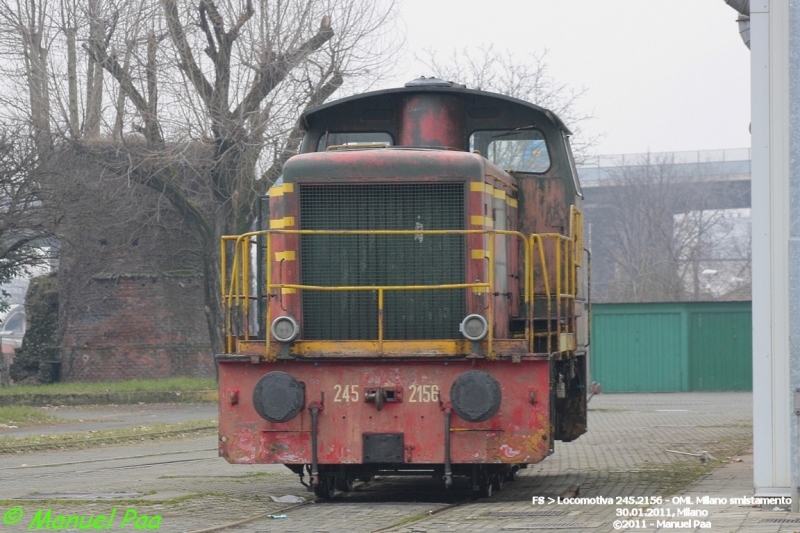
522	149
329	139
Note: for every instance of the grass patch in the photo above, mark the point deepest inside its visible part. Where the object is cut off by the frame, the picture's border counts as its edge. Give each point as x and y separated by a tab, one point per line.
169	385
409	519
21	416
112	502
101	438
236	477
674	477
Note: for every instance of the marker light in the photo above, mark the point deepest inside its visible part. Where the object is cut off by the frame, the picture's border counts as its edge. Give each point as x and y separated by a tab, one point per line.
285	329
474	327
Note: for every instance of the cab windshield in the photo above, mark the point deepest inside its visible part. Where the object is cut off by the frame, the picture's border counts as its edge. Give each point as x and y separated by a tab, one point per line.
353	139
522	149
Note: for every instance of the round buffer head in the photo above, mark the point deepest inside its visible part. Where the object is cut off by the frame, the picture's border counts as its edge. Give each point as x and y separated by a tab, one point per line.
278	397
475	396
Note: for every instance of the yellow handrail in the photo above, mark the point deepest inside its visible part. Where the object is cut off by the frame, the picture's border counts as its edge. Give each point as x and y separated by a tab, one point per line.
240	277
567	260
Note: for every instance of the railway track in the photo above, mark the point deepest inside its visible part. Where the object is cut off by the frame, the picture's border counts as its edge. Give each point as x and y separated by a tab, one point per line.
121	476
391	492
186	483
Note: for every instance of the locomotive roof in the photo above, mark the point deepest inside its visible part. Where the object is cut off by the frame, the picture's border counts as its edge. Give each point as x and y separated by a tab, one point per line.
375	98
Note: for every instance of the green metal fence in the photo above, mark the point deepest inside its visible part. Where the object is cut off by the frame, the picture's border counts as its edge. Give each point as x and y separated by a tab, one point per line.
672	347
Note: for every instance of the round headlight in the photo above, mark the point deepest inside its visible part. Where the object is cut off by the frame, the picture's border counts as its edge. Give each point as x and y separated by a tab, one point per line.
474	327
285	329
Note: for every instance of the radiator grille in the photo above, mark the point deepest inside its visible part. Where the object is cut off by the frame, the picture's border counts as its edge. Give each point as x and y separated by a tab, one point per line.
358	260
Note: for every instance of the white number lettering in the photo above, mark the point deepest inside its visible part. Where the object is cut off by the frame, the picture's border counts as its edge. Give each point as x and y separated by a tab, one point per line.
423	393
348	393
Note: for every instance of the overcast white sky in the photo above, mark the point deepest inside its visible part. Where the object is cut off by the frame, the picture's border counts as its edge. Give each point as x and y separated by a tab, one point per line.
660	75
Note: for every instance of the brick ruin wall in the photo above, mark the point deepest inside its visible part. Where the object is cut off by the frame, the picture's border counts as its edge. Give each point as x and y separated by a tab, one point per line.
130	281
141	327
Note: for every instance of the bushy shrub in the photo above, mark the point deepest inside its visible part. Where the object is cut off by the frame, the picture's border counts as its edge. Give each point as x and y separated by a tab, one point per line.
34	360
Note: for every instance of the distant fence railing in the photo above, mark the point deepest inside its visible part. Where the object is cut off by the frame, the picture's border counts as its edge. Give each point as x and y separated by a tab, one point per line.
689	156
696	163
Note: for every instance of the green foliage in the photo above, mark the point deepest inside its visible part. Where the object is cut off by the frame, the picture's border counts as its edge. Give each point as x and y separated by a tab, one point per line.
86	439
15	415
32	362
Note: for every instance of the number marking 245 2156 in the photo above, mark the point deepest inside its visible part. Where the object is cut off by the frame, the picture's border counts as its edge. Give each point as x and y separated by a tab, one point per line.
348	393
424	393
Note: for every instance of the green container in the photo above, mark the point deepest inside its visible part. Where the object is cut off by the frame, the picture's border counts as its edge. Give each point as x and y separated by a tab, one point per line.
672	347
721	347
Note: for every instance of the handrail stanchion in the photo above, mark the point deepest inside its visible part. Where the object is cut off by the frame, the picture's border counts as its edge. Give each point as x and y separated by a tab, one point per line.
532	278
558	287
233	295
538	240
528	294
225	315
268	306
246	287
490	355
380	321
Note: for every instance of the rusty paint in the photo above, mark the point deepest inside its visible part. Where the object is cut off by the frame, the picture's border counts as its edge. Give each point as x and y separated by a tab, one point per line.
346	415
240	446
284	447
432	120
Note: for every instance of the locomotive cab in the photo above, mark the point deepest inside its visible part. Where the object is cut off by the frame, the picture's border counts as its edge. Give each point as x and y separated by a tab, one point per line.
425	248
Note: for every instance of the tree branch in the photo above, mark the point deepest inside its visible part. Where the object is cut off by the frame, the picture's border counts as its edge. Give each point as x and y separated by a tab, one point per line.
101	57
293	140
211	49
271	72
188	63
248	13
160	180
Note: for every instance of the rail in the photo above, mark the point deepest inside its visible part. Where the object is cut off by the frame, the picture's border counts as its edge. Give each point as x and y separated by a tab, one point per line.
557	292
568	253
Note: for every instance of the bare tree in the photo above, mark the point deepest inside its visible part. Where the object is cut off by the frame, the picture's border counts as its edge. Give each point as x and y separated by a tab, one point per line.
24	226
203	99
527	78
667	234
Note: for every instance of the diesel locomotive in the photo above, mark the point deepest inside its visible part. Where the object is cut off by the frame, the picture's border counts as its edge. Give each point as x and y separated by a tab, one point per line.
415	300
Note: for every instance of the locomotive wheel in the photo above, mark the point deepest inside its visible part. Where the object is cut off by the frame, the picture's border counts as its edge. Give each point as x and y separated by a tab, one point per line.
512	475
344	484
498	480
484	489
325	488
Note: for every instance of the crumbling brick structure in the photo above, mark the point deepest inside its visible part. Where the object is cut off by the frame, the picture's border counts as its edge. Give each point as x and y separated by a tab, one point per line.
131	300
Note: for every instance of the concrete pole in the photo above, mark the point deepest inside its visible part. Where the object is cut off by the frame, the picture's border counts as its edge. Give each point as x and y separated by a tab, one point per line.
775	244
793	400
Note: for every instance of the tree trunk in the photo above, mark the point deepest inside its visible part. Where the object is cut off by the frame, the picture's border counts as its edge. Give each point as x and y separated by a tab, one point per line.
72	83
94	75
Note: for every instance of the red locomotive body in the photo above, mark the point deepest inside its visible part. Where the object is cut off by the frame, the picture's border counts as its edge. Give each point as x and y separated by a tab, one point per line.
413	306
